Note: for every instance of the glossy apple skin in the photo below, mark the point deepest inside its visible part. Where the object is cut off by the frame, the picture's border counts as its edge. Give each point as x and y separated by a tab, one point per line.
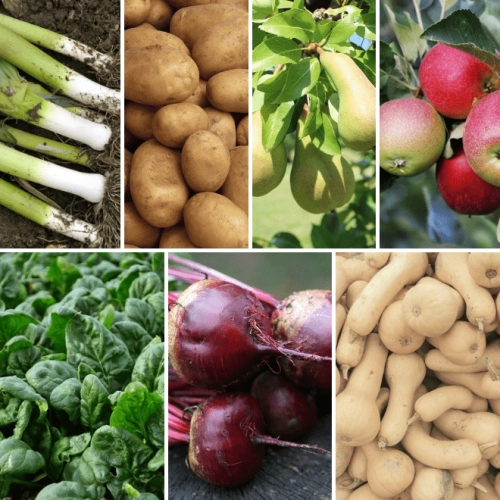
481	138
452	80
412	136
462	189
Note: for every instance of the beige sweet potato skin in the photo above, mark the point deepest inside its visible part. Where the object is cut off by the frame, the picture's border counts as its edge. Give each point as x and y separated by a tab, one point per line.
228	91
189	23
214	221
157	186
222	47
235	186
157	75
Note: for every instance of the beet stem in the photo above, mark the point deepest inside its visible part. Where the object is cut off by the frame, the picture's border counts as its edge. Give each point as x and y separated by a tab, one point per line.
269	440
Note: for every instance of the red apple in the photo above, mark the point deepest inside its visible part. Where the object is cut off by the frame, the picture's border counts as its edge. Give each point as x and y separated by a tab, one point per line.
462	189
482	138
412	136
452	80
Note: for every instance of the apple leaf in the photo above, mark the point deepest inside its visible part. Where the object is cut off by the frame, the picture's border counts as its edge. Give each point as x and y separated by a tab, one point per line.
463	29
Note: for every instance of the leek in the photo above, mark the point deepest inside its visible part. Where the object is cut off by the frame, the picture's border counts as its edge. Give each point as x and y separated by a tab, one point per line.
19	101
33	61
41	213
58	43
59	150
89	186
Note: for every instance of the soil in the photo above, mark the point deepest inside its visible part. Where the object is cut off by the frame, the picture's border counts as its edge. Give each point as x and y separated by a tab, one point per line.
95	23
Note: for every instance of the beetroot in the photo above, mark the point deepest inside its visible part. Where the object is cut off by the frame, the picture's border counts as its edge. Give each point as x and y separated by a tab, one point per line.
226	444
220	334
305	320
289	411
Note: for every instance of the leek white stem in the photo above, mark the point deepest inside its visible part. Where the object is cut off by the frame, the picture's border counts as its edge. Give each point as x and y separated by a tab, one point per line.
41	213
26	56
58	43
91	187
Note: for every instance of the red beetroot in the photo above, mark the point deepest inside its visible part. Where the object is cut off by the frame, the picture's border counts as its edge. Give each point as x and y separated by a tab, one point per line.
226	445
220	334
304	319
289	411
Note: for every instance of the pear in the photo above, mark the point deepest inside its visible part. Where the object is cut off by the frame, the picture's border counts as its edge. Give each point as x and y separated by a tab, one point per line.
358	102
268	168
319	182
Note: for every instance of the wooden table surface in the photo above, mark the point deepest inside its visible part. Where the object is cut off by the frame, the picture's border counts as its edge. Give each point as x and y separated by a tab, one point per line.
285	474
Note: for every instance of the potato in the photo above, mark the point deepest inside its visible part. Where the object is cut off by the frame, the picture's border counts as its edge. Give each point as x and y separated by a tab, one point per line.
214	221
205	161
157	185
131	142
242	132
126	171
199	96
228	91
146	34
175	237
139	119
157	75
190	22
235	186
223	126
160	14
223	46
174	123
137	231
136	11
178	4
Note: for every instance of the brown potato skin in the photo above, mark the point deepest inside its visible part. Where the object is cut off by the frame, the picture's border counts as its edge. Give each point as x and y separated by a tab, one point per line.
242	132
214	221
146	34
160	14
157	186
138	232
235	186
189	23
126	172
205	161
139	119
223	126
178	4
199	96
222	47
136	11
173	124
157	76
228	91
175	237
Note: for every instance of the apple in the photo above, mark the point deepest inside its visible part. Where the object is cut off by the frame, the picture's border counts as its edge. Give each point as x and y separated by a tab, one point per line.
462	189
481	138
412	136
452	80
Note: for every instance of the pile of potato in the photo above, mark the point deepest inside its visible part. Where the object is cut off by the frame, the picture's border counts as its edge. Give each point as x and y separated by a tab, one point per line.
418	376
186	123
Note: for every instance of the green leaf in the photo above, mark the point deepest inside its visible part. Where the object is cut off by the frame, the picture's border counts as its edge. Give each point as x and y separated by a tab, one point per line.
342	30
150	365
45	376
18	459
463	29
276	119
95	405
294	24
292	82
12	323
367	27
285	240
408	35
134	408
325	138
18	388
66	397
145	285
67	490
62	275
142	313
88	341
133	335
274	51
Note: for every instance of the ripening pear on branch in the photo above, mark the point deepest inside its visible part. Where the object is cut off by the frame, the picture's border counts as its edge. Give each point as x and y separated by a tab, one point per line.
357	97
268	167
319	182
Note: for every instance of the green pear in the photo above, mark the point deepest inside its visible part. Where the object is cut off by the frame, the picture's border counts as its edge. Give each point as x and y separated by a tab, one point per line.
319	182
268	167
357	97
